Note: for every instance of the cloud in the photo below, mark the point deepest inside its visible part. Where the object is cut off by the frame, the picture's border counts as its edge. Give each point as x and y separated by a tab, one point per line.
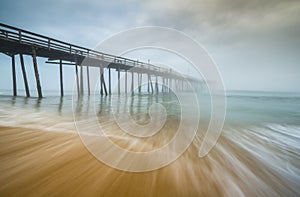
247	38
220	20
210	21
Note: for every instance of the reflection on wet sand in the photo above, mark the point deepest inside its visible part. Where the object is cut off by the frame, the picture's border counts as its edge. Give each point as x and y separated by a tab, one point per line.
43	155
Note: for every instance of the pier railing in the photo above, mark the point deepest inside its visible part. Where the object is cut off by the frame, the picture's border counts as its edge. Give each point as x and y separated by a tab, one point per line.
34	39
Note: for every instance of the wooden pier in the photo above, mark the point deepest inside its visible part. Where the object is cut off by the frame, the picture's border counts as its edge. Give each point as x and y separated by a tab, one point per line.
15	41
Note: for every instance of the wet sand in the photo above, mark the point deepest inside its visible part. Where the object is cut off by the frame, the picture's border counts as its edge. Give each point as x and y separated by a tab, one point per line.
38	163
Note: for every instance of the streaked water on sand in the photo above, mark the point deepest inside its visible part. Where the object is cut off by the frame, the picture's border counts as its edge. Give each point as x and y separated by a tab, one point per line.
258	153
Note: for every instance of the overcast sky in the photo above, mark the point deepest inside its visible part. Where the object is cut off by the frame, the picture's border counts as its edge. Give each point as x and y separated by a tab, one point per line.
255	43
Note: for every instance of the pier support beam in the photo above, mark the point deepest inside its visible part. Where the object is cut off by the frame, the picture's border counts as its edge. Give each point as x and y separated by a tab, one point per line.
81	80
77	79
88	79
148	88
103	85
24	75
13	65
101	81
125	81
36	72
151	84
168	85
109	81
132	83
61	78
156	84
119	81
140	81
163	84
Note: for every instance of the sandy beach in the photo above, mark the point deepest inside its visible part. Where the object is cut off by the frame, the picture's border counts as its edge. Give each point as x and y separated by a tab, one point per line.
38	163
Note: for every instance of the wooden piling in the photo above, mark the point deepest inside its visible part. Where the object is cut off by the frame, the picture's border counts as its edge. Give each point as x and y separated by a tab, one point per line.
109	81
170	83
156	84
36	72
24	75
13	65
119	80
148	83
81	79
77	79
88	80
168	86
140	81
101	82
132	83
125	81
103	85
61	78
151	85
163	84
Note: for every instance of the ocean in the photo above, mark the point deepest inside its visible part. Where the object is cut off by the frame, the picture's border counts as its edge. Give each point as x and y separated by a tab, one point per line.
43	148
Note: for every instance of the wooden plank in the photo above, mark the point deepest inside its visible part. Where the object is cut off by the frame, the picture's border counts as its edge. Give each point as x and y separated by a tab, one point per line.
24	75
63	63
